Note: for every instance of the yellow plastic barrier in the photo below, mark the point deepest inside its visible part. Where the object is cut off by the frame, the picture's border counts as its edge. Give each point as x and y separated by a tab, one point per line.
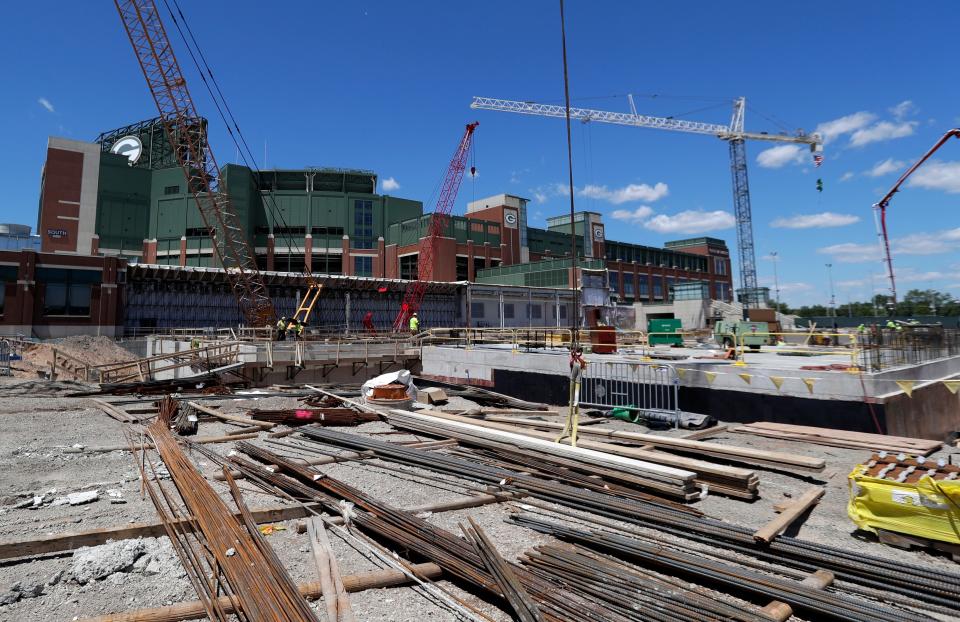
927	509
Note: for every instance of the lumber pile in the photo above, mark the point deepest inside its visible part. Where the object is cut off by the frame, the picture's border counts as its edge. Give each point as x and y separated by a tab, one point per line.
746	455
728	480
841	438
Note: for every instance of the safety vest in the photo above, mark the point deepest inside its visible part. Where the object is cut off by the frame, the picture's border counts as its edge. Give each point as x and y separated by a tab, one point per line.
414	324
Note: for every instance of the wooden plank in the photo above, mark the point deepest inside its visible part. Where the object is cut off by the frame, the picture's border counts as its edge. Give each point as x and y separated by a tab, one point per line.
74	540
94	537
772	529
781	612
705	433
118	414
845	435
352	583
231	418
871	445
331	583
202	440
740	454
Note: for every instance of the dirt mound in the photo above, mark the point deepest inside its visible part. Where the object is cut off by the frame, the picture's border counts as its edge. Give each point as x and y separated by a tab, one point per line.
84	349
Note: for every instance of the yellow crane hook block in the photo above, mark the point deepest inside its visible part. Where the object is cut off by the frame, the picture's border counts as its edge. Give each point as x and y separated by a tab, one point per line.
914	496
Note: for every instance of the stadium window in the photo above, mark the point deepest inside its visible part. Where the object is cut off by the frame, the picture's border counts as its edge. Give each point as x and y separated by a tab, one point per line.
67	292
171	190
719	266
362	224
408	267
462	265
477	310
508	310
479	263
534	311
363	266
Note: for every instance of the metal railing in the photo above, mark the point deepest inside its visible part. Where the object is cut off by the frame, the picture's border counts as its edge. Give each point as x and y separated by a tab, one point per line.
649	390
883	348
5	349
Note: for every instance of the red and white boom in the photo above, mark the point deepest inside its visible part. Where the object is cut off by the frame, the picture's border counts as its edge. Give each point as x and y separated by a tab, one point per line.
413	296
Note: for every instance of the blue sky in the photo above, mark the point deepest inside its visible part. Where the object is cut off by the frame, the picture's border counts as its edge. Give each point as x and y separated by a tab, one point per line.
387	85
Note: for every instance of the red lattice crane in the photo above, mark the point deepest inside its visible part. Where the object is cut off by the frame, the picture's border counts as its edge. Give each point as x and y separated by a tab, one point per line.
881	207
413	296
187	138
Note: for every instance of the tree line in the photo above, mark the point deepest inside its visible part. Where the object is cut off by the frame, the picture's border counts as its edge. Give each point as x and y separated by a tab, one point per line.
916	302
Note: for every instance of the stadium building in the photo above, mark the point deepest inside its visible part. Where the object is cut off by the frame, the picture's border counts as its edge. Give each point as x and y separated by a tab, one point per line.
123	197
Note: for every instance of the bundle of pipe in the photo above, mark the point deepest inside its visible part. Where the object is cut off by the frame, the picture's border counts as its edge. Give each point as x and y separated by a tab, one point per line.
205	383
922	584
729	480
665	480
182	417
826	605
222	553
319	416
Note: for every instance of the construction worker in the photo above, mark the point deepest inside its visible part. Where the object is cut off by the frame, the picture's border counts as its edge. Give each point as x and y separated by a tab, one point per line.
301	329
292	329
414	324
368	323
282	325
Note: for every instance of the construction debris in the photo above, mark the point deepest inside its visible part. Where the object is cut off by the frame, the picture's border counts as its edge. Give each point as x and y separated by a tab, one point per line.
204	383
789	515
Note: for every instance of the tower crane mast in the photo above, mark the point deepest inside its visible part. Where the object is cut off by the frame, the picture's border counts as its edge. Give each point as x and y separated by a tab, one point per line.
188	140
415	291
734	134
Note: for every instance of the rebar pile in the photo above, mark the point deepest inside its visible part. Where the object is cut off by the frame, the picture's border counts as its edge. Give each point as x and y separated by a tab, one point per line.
221	553
922	584
825	604
455	555
318	416
625	586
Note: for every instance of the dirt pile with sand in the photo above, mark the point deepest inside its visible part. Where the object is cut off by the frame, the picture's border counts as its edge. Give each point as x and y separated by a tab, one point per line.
83	349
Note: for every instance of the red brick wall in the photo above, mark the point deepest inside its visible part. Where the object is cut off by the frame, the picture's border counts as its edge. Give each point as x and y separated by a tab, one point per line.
62	181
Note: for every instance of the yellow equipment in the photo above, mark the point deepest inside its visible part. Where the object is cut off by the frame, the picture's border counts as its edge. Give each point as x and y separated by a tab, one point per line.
308	301
914	496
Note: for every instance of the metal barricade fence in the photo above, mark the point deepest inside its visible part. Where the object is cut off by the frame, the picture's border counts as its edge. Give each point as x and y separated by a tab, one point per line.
4	357
651	390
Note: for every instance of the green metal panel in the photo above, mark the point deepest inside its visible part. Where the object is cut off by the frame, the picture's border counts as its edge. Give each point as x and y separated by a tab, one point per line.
123	204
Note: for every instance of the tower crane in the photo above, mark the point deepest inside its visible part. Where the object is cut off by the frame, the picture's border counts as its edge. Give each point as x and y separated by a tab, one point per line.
733	134
415	291
880	208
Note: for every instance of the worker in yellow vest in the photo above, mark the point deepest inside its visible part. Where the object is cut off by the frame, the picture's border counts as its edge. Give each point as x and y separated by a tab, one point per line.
414	324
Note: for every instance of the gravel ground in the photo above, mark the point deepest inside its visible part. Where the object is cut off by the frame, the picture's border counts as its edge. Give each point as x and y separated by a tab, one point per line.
36	460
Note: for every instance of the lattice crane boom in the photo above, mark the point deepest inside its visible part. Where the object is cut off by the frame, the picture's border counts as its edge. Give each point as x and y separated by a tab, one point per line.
415	291
733	133
167	85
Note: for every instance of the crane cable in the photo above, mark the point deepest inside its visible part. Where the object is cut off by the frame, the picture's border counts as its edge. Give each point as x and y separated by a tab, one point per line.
219	98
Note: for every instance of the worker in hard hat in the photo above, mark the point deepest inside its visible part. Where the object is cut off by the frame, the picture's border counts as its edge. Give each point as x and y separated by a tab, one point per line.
282	324
301	328
414	324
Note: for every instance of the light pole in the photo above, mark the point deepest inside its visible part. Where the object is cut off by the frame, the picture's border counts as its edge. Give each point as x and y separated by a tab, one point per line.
776	281
833	300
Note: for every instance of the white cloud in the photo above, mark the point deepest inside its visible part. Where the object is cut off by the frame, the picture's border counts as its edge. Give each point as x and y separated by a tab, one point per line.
878	132
630	192
830	130
902	109
780	156
885	168
810	221
847	176
634	216
43	101
390	184
936	175
539	197
795	288
933	243
692	221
